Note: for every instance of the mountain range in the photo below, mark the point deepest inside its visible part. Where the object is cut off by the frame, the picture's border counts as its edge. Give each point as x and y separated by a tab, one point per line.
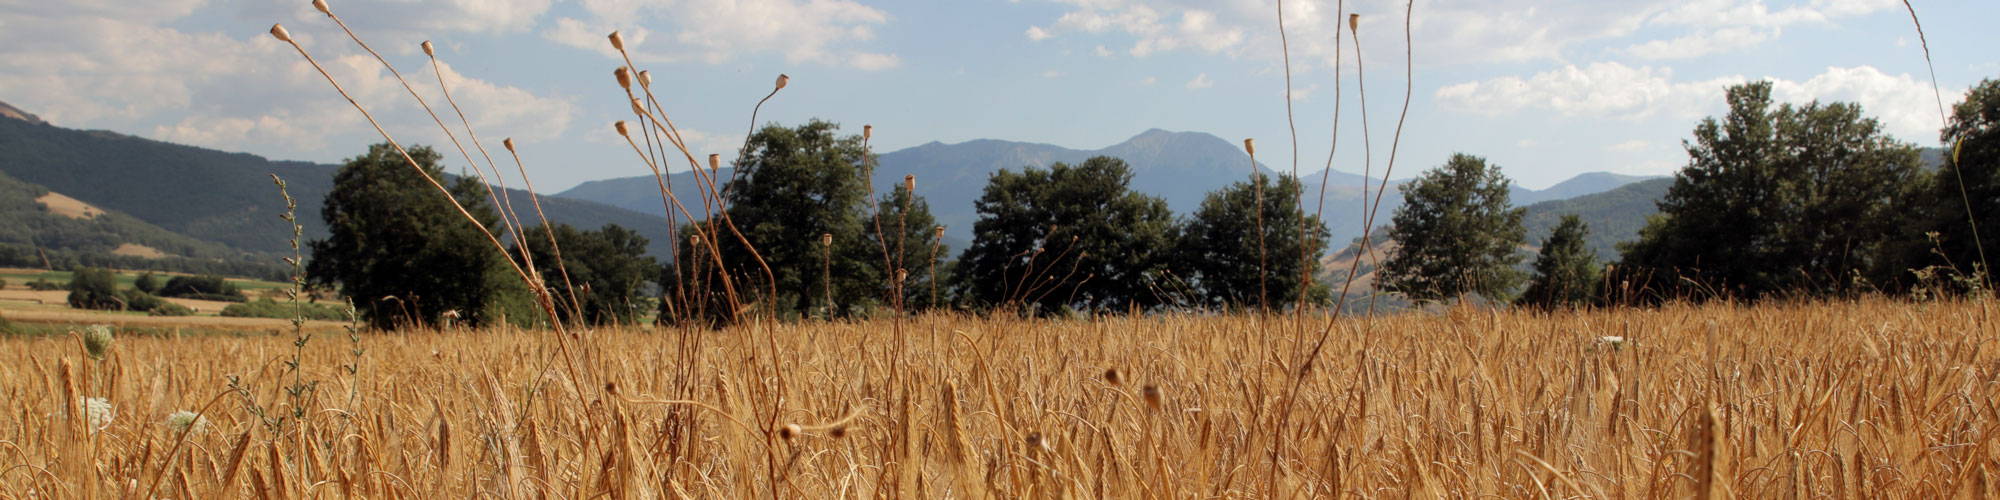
1180	167
191	203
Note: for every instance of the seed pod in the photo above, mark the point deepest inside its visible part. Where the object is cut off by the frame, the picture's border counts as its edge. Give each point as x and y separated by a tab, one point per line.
646	78
937	232
714	161
1354	22
782	80
278	30
867	131
1152	395
508	142
902	275
321	5
826	239
1111	377
789	431
910	183
624	77
617	42
637	108
428	50
837	432
1251	146
620	125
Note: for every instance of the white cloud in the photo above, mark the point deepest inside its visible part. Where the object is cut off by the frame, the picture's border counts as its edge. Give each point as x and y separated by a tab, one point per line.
1052	74
803	31
1150	80
869	61
1448	32
1101	51
110	68
1200	81
1702	43
1630	146
1598	90
1903	103
1036	33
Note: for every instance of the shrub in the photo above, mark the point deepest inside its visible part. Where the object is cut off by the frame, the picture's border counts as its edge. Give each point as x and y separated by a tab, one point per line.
43	285
165	308
267	308
94	288
203	287
147	283
3	284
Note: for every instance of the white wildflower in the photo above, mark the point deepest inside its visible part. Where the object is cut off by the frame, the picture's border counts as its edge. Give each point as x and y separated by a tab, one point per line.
186	422
97	413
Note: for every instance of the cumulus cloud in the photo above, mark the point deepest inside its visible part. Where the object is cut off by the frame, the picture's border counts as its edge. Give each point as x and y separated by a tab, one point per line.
1036	33
105	66
1903	103
1200	81
1606	89
823	32
1450	32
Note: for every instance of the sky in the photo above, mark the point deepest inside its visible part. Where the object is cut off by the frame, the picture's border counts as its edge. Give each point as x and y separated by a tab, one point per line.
1545	88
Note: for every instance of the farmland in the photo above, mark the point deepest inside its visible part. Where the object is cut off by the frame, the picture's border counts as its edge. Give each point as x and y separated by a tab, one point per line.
1875	398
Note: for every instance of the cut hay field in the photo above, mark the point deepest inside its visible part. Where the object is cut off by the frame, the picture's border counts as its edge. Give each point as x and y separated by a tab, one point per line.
1873	398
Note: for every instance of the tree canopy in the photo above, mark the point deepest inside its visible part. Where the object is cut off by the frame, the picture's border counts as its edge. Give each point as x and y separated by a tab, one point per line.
402	253
1566	271
1796	198
1067	237
599	275
1457	233
1221	255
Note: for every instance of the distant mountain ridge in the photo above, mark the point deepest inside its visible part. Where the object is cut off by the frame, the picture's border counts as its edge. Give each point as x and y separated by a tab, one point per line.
1180	167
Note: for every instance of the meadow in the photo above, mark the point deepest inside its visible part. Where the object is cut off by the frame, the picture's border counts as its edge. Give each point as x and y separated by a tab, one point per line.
1873	398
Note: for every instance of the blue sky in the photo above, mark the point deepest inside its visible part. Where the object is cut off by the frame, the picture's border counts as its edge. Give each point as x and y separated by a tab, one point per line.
1546	88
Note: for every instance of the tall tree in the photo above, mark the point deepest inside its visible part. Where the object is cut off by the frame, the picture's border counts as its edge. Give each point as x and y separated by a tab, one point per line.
1219	251
600	273
1971	176
1566	271
1457	233
1804	197
399	250
794	185
1067	237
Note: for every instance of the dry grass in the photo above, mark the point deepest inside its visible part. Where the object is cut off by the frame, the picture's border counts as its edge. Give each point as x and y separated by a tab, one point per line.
1875	398
63	205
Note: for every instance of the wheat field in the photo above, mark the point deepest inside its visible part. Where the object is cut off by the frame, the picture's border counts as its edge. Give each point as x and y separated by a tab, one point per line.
1874	398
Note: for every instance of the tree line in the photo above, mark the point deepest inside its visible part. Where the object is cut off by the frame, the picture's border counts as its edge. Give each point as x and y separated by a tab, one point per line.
1777	200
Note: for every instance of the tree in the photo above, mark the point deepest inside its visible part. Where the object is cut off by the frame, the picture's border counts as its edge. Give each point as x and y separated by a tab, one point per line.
918	238
1220	253
600	271
147	283
400	251
794	185
94	288
1067	237
202	287
1566	271
1971	175
1457	234
1805	197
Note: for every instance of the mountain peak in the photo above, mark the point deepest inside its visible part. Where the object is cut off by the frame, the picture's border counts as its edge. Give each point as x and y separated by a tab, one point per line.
9	111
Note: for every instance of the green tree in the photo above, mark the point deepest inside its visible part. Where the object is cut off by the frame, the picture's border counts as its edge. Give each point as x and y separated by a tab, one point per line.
1067	237
1566	271
402	253
1972	173
1806	199
202	287
794	185
1457	233
1220	252
147	283
605	268
94	288
919	236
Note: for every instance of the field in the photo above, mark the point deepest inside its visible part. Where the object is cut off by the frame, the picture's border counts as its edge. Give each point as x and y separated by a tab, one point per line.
1874	398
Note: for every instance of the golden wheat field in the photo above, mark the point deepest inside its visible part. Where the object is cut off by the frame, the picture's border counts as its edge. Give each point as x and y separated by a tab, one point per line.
1854	399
